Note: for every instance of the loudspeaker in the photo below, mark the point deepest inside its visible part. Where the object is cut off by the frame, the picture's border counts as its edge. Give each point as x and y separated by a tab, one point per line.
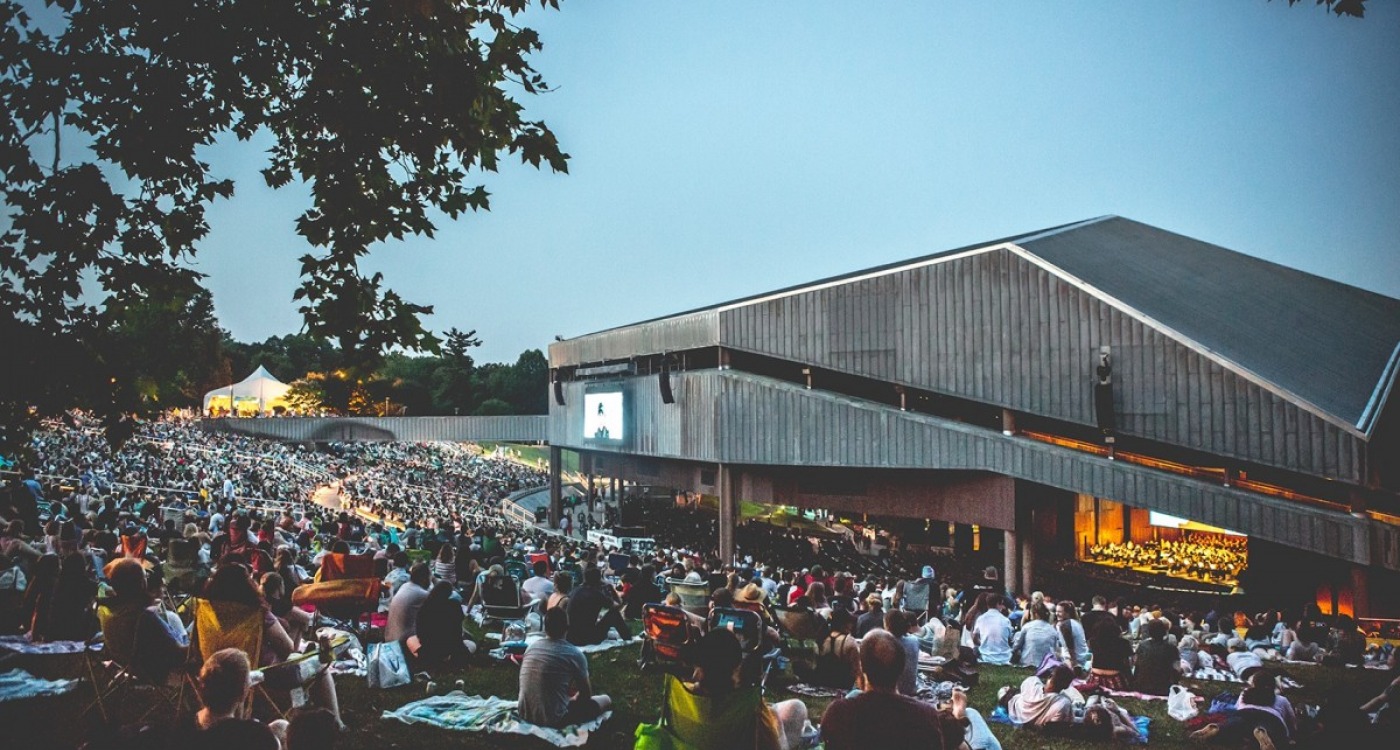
559	392
1103	406
664	380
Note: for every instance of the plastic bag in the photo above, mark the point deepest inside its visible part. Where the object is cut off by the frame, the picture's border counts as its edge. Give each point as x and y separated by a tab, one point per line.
1181	703
387	667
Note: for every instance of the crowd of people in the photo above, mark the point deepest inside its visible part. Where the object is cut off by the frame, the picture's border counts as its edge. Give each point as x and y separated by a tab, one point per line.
1207	557
228	519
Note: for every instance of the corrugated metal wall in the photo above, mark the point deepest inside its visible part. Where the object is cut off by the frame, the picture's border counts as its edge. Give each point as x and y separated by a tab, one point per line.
995	328
666	335
534	428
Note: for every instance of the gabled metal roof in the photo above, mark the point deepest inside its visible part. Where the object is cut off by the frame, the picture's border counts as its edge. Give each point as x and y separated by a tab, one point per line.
1328	344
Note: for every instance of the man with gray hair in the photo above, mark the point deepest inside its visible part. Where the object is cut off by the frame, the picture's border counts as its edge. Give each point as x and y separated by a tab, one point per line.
881	717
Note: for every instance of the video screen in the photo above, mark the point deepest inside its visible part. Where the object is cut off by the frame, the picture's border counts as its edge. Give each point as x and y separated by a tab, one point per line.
1162	519
603	417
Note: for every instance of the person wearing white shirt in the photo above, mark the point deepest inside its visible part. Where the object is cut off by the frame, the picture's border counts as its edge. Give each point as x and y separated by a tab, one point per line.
991	634
539	586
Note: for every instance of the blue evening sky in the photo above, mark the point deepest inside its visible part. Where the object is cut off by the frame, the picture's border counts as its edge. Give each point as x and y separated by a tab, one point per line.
723	149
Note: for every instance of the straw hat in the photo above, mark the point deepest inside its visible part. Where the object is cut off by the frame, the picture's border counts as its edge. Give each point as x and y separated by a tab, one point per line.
751	593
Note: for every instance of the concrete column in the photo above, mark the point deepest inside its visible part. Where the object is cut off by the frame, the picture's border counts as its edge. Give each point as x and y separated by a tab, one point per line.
1008	422
1027	562
1360	591
1012	562
590	494
728	513
556	486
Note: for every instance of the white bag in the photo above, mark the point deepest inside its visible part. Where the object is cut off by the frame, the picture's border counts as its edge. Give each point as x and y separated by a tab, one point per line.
1181	703
387	667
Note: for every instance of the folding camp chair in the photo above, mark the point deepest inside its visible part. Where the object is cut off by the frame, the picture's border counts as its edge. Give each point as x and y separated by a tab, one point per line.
346	589
666	631
500	600
109	676
695	597
517	570
916	599
708	721
798	628
748	627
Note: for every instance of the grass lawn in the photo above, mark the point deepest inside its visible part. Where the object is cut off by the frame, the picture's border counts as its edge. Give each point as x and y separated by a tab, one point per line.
536	456
54	722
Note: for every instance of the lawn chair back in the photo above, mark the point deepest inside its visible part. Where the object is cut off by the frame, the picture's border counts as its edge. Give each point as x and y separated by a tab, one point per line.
667	631
701	721
517	570
800	624
746	625
916	597
695	597
336	566
221	625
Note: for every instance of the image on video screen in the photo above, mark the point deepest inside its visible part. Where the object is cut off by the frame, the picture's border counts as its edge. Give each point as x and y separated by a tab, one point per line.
602	416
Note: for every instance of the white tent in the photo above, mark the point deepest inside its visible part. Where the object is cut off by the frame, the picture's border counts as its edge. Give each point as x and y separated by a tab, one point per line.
257	392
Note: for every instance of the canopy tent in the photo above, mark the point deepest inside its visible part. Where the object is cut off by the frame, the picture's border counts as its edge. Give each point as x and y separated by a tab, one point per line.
258	392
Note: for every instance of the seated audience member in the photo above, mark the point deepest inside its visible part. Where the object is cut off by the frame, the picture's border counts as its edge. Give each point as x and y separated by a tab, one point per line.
897	623
554	687
1041	704
311	729
223	688
881	717
1112	657
538	586
1304	646
233	582
1157	664
1351	642
991	633
134	634
874	616
642	593
1098	611
1259	712
563	586
1037	638
1191	657
445	566
837	661
295	620
398	574
404	607
1072	634
718	661
438	637
593	610
58	605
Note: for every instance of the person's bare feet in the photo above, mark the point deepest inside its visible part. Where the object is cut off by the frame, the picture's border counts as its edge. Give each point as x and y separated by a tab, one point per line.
1206	732
1261	735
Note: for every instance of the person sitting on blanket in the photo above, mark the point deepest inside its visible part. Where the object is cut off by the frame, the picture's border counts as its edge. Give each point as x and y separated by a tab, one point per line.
223	688
538	586
554	687
593	609
881	717
1157	664
404	606
718	659
135	635
1037	638
1260	712
991	633
1040	704
439	638
1111	656
837	661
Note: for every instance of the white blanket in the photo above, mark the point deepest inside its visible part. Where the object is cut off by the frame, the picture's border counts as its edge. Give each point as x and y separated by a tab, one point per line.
470	713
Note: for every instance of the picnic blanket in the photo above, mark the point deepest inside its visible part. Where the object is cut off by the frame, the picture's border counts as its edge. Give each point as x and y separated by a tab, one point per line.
501	654
22	645
470	713
815	691
17	684
1141	722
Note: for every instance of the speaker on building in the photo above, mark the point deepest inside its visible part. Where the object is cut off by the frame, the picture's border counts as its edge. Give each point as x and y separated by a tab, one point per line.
1103	406
664	379
559	392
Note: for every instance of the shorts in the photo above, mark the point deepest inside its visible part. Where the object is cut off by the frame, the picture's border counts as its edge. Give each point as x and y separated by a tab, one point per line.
581	711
